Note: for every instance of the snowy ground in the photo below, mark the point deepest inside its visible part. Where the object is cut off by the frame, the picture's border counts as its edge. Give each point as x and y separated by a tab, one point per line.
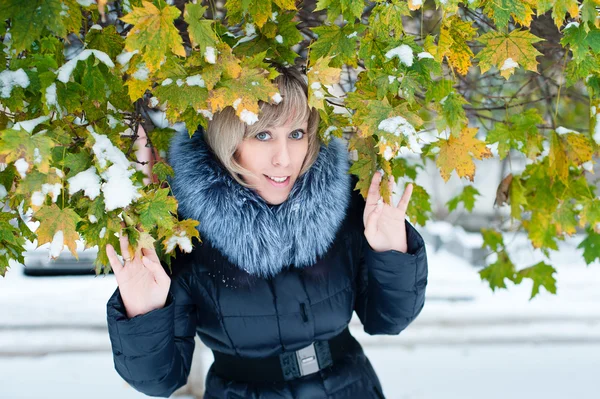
468	342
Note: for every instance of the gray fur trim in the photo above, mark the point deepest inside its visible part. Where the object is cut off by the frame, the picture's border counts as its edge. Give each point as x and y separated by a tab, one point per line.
258	238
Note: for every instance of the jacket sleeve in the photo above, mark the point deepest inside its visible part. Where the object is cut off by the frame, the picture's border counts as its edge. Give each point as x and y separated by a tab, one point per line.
153	352
391	285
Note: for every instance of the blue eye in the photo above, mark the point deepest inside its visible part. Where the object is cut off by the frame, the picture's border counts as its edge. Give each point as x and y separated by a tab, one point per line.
297	134
262	136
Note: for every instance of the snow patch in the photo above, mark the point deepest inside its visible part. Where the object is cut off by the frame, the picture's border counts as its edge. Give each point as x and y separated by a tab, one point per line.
182	240
210	55
277	98
424	54
3	192
509	63
51	99
328	131
88	181
195	80
250	29
93	219
142	72
30	124
236	103
10	79
166	82
22	167
398	125
249	117
102	233
179	82
118	189
86	3
352	35
125	57
564	130
153	102
404	54
57	245
206	113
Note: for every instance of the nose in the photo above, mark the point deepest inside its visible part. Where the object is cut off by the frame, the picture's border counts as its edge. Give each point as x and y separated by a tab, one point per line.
281	156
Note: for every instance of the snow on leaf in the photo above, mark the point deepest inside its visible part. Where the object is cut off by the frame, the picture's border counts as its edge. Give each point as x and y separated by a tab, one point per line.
457	153
10	79
516	45
319	75
52	220
153	33
20	144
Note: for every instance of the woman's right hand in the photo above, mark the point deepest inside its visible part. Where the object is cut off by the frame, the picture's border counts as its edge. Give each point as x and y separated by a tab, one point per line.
143	283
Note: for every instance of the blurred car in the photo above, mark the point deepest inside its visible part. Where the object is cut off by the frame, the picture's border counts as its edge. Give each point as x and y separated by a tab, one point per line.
38	261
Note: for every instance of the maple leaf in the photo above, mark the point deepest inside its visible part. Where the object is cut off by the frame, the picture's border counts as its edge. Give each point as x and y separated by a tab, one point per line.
520	133
565	219
457	153
590	214
29	19
559	8
467	197
366	164
558	158
349	9
454	36
320	75
507	51
500	12
387	17
106	40
337	42
34	148
155	209
153	33
492	239
453	113
591	246
52	220
419	207
517	198
243	93
497	272
182	231
542	231
581	40
200	29
541	274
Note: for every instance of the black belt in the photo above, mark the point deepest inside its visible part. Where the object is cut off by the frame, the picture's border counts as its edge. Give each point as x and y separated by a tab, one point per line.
286	366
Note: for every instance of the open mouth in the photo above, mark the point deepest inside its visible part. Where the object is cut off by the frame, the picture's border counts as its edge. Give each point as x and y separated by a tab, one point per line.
278	181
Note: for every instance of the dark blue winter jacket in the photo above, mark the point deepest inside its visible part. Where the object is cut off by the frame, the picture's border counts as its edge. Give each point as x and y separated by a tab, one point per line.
268	279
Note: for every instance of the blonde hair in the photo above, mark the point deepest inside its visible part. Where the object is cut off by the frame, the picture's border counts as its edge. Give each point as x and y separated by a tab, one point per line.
226	131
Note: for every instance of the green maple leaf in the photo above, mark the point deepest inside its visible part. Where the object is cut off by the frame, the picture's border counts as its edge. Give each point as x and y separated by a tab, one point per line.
387	17
467	197
542	275
518	197
591	246
565	219
500	12
542	231
580	41
11	241
590	213
179	95
106	40
32	182
349	9
419	207
53	219
35	149
334	42
453	113
497	272
153	33
504	51
559	8
200	29
155	209
492	239
162	171
366	165
77	162
520	133
29	19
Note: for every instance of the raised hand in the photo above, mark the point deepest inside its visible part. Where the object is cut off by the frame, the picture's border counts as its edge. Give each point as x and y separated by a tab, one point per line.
143	283
384	223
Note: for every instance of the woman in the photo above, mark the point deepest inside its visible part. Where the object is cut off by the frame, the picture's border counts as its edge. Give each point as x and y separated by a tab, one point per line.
289	251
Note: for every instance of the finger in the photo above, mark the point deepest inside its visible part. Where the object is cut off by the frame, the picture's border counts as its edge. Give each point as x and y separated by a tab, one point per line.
150	253
373	219
115	263
373	193
155	268
403	204
124	242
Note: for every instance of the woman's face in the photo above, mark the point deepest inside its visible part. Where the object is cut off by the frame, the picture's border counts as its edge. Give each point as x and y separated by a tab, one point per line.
275	157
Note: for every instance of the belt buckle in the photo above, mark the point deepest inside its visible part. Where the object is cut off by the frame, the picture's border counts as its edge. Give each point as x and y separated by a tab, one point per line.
307	360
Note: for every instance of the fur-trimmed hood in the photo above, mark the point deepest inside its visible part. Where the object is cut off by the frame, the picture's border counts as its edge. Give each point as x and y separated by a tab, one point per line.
259	238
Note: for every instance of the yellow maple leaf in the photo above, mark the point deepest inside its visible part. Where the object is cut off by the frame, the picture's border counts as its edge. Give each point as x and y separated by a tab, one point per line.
54	220
153	33
507	51
412	6
457	153
319	75
454	35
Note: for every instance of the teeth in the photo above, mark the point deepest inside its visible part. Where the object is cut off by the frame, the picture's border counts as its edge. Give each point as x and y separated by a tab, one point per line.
278	179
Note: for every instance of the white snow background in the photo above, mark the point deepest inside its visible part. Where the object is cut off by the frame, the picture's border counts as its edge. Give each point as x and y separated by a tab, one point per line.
468	342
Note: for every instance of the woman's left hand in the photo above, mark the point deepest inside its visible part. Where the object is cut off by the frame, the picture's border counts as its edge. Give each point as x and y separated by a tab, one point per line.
384	224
